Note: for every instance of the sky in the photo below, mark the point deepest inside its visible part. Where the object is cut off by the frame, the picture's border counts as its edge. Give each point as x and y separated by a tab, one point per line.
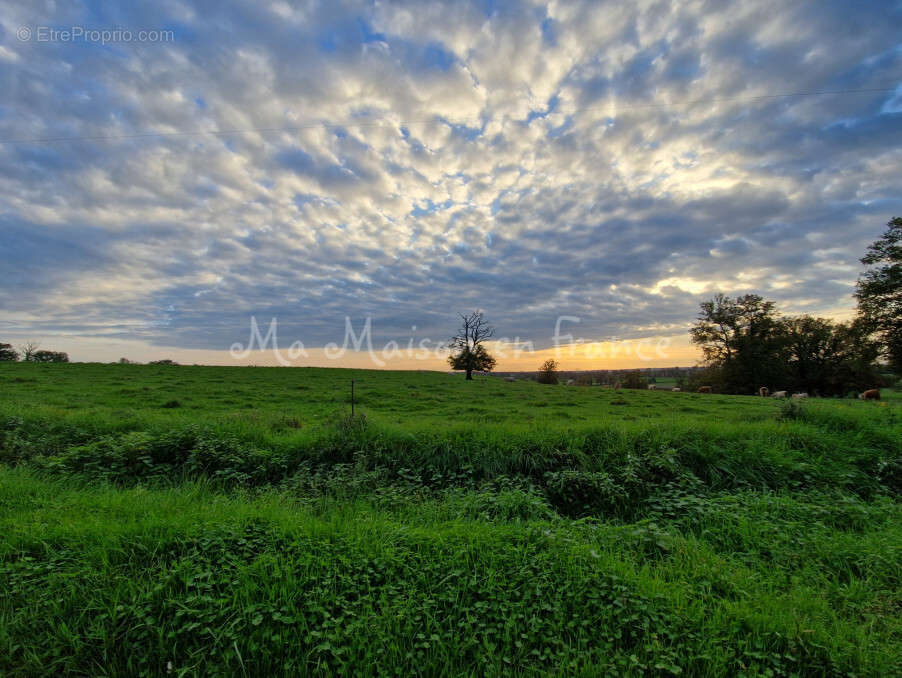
171	170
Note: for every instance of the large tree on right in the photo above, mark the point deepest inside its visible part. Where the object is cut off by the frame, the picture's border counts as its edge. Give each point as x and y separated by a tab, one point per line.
879	292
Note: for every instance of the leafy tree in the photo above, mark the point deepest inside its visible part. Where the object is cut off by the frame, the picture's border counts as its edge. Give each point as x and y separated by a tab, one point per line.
548	372
879	292
633	379
8	354
471	354
50	357
743	339
829	358
470	360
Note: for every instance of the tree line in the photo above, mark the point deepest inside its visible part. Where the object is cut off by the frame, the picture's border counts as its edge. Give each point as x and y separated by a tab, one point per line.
31	353
747	344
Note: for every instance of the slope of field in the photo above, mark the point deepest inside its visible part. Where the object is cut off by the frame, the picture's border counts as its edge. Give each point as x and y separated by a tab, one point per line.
236	521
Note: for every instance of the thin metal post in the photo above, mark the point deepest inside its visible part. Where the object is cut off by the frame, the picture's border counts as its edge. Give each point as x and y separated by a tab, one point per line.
352	397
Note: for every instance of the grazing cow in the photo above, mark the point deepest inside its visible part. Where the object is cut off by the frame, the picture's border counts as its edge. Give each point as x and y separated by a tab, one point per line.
675	389
778	394
570	382
510	379
652	387
871	394
704	389
763	391
617	386
799	396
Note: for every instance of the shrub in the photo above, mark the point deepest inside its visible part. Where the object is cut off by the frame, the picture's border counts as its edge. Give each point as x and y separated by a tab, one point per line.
579	493
506	505
791	410
548	372
8	353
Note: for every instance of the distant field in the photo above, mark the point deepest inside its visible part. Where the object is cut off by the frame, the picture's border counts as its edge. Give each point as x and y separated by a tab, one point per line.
665	381
236	521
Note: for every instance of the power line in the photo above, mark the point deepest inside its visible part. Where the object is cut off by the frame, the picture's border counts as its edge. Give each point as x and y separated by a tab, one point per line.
435	118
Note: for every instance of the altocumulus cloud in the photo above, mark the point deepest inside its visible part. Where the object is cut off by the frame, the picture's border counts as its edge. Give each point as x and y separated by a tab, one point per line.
612	161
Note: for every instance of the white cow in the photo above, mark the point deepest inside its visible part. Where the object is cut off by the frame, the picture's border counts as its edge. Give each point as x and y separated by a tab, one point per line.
798	396
675	389
652	387
778	394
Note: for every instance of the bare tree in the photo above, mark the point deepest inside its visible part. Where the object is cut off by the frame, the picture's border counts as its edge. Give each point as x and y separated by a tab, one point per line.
468	343
28	349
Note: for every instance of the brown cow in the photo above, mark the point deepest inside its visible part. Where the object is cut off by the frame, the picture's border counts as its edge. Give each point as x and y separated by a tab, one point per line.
704	389
871	394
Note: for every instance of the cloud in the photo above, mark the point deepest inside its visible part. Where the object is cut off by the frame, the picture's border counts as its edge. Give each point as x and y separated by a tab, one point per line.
409	160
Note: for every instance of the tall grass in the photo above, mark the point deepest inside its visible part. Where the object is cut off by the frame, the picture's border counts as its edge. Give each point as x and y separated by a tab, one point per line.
676	534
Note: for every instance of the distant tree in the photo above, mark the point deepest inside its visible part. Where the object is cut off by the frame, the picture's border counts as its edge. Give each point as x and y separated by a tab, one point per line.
50	357
165	361
548	372
28	349
8	354
633	379
470	353
879	293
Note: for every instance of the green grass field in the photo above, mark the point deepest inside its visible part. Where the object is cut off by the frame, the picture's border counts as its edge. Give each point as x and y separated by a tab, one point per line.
236	521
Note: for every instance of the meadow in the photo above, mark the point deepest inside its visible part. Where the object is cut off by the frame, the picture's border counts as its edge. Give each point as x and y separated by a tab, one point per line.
175	520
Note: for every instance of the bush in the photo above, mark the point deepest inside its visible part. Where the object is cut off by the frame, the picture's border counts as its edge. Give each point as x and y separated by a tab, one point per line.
548	372
8	354
634	380
790	410
506	505
580	493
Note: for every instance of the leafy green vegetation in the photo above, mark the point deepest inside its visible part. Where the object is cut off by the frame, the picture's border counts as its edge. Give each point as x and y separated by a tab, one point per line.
478	528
